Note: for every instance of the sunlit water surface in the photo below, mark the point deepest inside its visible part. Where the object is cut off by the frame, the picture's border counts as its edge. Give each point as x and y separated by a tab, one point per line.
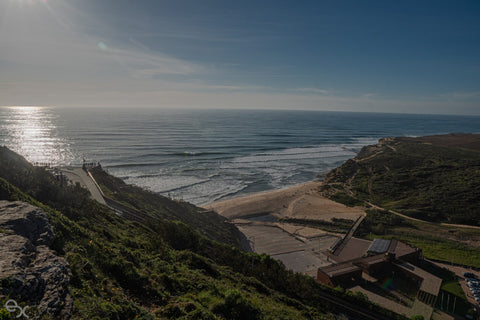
34	133
208	155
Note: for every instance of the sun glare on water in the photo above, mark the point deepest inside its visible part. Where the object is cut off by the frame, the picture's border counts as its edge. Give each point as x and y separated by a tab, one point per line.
33	133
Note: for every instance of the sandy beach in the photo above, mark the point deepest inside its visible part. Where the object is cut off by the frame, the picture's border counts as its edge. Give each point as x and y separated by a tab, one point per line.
302	201
299	247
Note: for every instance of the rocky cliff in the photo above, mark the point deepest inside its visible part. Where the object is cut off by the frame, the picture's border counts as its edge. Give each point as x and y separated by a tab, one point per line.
30	272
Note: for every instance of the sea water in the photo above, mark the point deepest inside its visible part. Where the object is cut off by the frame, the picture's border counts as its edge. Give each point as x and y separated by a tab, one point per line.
206	155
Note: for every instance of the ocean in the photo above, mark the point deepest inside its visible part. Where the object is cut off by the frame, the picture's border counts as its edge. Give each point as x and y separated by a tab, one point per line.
203	156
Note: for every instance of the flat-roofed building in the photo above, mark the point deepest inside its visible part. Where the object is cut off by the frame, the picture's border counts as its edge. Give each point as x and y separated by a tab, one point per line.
429	284
374	258
340	274
380	260
379	246
404	252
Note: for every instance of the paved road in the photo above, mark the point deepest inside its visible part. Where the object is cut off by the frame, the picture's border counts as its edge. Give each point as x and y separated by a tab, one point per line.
79	175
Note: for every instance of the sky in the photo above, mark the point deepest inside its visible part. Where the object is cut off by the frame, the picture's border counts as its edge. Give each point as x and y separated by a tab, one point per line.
366	56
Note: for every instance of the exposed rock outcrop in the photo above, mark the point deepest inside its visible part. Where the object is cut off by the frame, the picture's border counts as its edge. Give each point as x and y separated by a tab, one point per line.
31	272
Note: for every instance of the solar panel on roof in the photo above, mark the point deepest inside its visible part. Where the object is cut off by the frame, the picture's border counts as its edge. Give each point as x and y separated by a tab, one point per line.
379	246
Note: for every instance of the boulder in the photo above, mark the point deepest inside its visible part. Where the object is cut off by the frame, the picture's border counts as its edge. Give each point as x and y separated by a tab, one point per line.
31	272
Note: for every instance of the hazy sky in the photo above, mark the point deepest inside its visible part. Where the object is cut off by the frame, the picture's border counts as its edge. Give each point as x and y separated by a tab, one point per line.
389	56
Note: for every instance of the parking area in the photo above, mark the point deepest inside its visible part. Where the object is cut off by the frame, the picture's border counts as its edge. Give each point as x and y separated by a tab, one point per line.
473	284
463	274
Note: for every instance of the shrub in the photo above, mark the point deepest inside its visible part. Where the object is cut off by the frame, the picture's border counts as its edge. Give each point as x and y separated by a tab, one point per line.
235	306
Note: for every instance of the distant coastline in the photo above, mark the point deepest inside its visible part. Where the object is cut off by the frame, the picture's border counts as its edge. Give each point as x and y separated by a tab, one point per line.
203	156
274	221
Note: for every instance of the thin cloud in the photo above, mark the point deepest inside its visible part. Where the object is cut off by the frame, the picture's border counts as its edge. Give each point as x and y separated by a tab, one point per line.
62	55
149	65
313	90
139	44
466	95
47	48
167	94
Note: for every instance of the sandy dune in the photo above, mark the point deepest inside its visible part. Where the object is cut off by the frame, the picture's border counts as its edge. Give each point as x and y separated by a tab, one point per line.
301	201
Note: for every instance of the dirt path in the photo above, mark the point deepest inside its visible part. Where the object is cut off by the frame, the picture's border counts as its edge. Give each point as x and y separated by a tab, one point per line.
464	226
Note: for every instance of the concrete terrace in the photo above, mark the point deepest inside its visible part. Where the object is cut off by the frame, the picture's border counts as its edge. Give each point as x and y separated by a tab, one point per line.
300	254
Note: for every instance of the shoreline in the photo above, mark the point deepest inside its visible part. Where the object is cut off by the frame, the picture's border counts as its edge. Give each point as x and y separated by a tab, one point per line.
299	247
302	201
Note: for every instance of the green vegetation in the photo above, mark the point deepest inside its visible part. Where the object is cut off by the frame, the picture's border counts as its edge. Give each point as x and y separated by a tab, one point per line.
4	314
428	181
336	225
207	223
454	288
167	267
346	199
437	242
450	287
383	224
444	250
435	179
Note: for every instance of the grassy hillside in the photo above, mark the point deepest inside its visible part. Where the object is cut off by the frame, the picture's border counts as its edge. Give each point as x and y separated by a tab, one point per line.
431	178
207	223
438	242
434	179
164	268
